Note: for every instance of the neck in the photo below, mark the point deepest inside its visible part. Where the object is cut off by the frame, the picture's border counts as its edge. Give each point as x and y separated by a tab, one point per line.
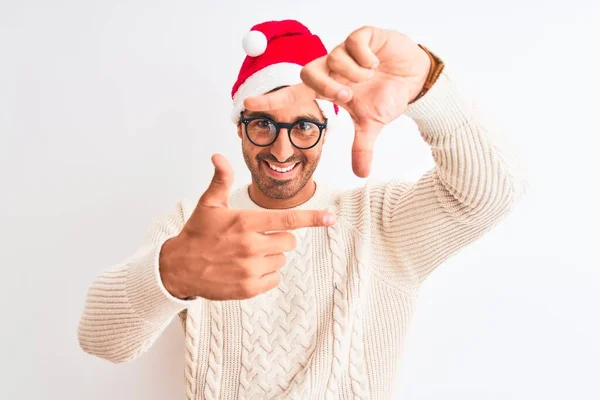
264	201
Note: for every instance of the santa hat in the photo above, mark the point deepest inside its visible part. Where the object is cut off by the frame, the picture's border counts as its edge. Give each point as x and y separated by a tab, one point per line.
276	52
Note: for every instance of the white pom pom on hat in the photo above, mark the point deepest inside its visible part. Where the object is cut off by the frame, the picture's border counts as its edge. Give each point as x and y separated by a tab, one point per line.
254	43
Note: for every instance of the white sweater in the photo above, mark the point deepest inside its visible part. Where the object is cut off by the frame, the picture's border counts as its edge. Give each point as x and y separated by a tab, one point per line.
335	326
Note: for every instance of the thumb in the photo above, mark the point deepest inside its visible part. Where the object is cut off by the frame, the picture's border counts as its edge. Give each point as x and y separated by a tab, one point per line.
217	194
362	148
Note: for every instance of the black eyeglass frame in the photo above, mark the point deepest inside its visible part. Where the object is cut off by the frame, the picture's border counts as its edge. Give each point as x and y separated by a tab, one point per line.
279	125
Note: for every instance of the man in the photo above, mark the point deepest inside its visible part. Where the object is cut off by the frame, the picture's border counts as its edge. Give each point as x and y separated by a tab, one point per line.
287	288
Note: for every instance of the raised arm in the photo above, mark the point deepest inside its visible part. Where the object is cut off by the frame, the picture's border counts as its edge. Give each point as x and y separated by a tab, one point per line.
376	75
474	184
217	253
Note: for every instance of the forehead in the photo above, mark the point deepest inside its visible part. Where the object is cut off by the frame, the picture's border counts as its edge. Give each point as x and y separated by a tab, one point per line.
308	110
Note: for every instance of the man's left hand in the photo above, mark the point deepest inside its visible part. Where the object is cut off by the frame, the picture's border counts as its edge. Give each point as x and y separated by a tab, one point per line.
374	74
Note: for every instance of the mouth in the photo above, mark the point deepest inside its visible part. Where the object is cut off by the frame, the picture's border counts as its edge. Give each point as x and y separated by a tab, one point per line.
281	172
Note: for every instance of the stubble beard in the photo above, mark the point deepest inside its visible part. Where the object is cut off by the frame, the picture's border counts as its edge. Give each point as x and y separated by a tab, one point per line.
275	188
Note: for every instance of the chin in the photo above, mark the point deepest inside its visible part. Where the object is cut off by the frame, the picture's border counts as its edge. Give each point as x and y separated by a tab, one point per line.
277	189
277	186
280	189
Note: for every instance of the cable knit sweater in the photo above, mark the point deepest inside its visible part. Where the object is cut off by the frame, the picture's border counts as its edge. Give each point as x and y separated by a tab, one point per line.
335	326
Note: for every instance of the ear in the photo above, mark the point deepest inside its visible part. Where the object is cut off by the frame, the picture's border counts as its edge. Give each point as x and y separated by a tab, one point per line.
324	136
239	130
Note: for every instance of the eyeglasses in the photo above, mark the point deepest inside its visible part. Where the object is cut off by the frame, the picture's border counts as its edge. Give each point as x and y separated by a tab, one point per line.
262	131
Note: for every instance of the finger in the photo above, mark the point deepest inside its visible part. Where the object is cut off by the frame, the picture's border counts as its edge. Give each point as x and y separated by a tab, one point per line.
362	151
217	194
272	263
316	76
359	46
269	281
280	98
278	242
250	268
264	244
284	220
340	62
236	289
253	287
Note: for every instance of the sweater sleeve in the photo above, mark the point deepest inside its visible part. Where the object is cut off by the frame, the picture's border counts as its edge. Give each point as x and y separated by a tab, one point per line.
127	307
473	185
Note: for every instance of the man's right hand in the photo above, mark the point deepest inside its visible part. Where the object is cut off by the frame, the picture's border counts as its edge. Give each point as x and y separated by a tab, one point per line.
229	254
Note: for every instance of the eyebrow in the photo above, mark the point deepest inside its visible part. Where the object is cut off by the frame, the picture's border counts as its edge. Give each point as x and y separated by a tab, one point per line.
262	114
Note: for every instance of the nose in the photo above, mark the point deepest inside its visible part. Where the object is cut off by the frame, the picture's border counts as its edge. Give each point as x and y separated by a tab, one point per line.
282	148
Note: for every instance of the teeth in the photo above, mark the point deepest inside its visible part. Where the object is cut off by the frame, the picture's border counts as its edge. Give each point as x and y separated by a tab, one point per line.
282	170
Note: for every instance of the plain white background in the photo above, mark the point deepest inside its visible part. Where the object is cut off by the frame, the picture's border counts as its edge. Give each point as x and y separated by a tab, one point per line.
110	110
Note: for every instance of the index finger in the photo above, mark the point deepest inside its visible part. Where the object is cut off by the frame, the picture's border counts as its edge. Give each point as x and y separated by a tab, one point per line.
280	98
285	220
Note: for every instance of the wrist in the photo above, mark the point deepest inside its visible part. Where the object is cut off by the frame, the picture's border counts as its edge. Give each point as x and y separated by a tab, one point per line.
423	64
434	67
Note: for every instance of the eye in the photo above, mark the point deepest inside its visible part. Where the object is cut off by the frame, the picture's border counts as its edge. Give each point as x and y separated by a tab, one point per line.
263	123
305	126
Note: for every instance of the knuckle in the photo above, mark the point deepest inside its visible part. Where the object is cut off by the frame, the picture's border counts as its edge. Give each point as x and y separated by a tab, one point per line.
288	242
293	242
270	220
280	261
335	59
364	30
241	223
354	39
290	220
246	247
245	272
248	288
275	281
335	65
217	180
317	219
305	73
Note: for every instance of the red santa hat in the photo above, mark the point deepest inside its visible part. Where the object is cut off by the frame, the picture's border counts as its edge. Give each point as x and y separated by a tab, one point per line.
276	52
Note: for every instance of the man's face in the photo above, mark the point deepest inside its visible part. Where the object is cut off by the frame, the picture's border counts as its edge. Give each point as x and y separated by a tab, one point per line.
281	154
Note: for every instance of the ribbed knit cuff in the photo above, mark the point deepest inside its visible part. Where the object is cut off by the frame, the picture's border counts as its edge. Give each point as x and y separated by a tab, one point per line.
442	110
146	292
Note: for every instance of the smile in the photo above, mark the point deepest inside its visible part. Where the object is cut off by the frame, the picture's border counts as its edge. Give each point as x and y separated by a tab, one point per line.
281	171
278	169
